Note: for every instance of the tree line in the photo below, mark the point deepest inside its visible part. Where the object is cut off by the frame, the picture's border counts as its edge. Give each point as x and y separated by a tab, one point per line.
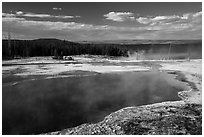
55	47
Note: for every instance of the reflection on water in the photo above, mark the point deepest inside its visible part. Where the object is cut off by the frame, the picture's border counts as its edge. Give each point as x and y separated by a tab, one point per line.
48	105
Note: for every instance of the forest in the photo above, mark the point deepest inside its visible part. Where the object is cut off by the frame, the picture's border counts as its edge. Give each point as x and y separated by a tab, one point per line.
56	47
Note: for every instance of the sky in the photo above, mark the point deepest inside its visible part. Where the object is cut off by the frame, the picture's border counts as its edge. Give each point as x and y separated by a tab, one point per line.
102	20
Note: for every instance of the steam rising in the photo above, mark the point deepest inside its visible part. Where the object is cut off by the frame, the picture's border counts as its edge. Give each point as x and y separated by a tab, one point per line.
54	104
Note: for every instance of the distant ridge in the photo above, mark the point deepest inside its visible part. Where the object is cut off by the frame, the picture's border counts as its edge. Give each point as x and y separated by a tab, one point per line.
142	42
120	42
54	40
48	41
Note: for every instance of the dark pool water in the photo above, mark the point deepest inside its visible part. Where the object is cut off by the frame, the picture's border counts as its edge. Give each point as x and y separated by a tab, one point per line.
54	104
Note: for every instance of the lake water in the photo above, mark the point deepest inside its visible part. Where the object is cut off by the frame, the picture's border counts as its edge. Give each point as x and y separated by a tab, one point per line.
40	106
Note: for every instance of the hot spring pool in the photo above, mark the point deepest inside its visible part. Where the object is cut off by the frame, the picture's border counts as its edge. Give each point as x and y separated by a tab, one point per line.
48	105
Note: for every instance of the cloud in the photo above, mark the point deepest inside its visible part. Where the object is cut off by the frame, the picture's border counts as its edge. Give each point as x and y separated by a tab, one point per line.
66	17
119	16
197	14
51	25
47	16
19	13
186	26
10	19
57	8
31	29
157	19
8	15
143	20
191	15
35	15
185	18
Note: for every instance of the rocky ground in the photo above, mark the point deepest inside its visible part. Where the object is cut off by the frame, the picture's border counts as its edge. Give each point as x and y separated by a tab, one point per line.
168	118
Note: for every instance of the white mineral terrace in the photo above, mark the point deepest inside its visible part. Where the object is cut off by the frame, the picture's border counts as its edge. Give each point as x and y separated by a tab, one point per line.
48	66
